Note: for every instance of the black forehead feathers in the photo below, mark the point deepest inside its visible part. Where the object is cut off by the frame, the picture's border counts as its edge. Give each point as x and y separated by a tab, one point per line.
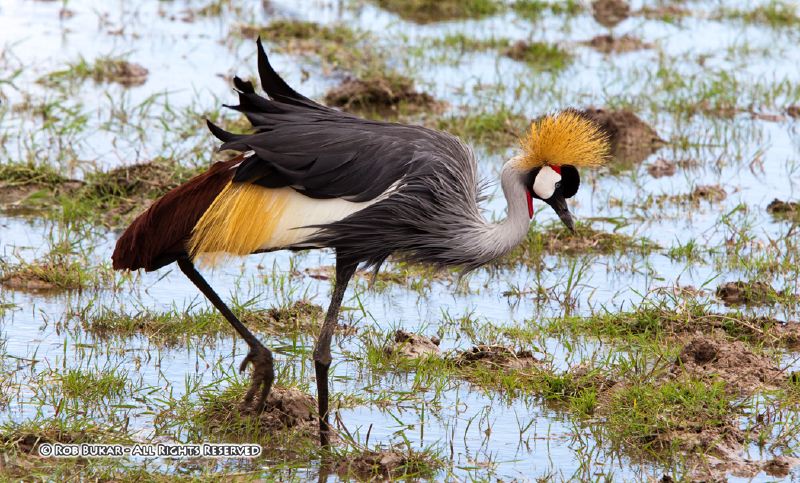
570	180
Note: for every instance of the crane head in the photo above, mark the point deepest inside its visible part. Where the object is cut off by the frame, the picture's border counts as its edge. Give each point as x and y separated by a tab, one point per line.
553	185
553	148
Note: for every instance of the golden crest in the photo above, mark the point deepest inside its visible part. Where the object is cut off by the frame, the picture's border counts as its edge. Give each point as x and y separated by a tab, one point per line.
568	137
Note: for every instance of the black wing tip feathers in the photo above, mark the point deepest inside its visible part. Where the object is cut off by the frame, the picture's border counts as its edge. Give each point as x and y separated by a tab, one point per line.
220	133
242	85
272	83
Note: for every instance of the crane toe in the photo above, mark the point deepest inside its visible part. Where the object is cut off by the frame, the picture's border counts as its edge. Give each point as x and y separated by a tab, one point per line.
261	380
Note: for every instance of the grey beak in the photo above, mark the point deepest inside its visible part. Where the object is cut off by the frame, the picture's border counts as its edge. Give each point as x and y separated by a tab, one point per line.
559	204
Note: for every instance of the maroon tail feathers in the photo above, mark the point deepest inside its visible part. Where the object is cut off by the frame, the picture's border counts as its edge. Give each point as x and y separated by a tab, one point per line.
158	236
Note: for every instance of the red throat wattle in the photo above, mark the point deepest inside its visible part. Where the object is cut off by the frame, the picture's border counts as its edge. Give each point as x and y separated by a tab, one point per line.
530	204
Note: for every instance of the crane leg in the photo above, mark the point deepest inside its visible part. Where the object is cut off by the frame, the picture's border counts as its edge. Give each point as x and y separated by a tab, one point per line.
322	350
259	356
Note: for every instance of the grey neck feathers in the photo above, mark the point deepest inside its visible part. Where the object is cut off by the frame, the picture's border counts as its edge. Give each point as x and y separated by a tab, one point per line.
494	240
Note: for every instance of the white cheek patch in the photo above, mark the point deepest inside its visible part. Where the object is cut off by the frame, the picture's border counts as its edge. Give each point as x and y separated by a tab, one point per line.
545	183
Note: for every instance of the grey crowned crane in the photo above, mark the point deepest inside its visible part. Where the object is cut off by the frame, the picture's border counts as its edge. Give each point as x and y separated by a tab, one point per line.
313	177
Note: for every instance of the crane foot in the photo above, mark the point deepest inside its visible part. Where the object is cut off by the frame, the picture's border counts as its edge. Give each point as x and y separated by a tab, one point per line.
263	376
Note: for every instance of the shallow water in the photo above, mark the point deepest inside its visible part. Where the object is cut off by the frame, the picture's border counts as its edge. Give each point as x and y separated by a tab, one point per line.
187	61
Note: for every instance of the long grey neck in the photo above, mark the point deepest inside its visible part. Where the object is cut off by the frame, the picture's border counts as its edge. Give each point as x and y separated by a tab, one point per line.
494	240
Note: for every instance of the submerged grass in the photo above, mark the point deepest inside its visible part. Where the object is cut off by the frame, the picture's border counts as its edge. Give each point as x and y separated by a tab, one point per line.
557	239
92	386
540	55
220	417
494	368
285	30
660	419
55	272
496	130
112	197
465	43
775	13
657	320
336	45
102	69
20	442
426	11
176	327
393	463
536	9
20	174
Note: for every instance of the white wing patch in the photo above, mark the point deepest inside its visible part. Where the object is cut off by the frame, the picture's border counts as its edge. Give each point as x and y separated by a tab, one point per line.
300	211
545	183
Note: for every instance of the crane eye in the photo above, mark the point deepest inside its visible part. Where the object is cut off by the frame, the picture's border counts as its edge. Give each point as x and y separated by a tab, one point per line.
558	185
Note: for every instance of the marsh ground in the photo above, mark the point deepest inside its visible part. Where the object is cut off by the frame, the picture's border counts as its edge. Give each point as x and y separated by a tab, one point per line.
661	340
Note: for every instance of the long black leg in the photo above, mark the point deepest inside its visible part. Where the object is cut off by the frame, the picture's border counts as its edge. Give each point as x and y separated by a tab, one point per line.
322	351
259	356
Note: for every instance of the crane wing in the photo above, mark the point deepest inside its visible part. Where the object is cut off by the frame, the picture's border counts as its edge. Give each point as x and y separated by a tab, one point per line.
319	151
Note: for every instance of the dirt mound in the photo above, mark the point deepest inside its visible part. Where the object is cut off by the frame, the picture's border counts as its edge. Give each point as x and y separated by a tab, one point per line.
687	291
733	463
632	140
152	178
709	193
372	464
539	55
122	72
663	12
755	329
748	293
608	44
777	333
298	310
779	467
784	209
29	442
413	346
302	316
742	370
661	167
50	274
12	195
383	465
497	356
609	13
584	376
28	281
18	181
128	190
586	239
379	92
286	408
723	440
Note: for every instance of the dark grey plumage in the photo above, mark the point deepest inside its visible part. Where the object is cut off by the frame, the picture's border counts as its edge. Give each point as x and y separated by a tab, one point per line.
426	179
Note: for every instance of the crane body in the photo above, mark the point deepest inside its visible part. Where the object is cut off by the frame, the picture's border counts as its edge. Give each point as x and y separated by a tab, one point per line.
313	177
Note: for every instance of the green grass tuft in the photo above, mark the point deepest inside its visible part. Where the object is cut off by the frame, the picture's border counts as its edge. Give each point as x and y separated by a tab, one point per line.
776	14
535	9
426	11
